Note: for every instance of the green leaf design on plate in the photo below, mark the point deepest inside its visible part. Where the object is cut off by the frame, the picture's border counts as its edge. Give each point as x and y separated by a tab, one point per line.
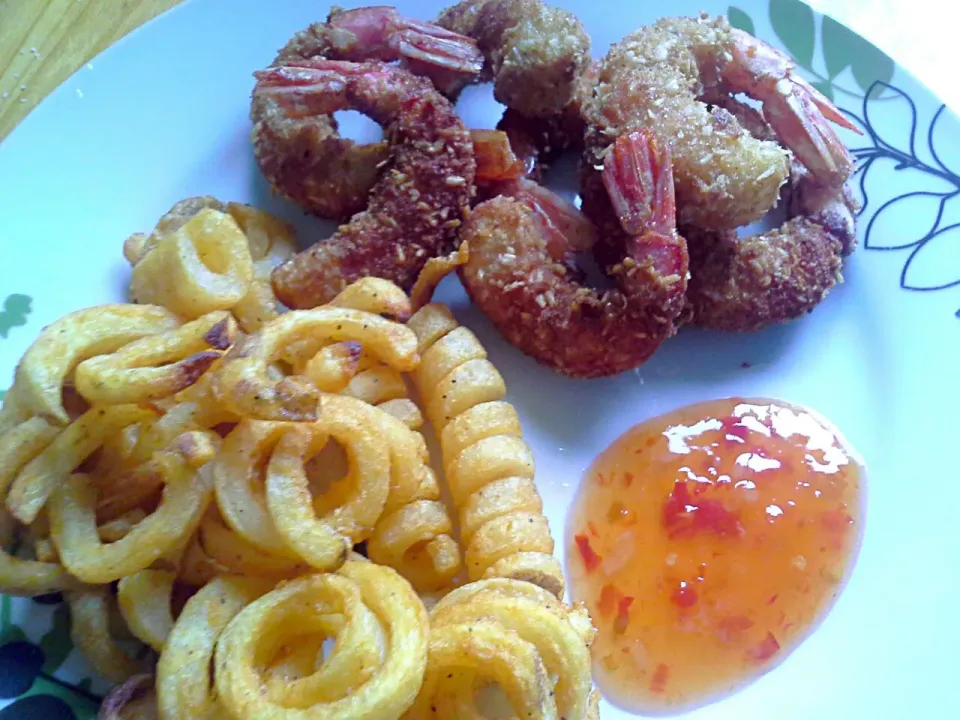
83	704
824	86
9	630
843	48
16	308
793	22
838	49
56	643
739	19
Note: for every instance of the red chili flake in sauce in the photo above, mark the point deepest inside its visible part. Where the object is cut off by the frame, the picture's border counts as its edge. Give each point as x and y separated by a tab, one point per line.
684	597
731	627
684	516
591	560
623	615
610	597
658	683
765	649
628	479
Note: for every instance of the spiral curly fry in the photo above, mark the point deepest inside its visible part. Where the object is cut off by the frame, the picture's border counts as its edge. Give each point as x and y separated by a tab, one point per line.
73	524
203	266
488	466
184	687
156	366
374	670
68	341
323	540
144	599
243	382
90	632
513	636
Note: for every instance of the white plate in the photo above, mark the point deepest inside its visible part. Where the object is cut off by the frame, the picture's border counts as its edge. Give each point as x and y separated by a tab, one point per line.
163	115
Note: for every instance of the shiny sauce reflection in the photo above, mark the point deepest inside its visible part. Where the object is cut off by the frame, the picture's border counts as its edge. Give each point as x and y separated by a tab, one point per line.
707	544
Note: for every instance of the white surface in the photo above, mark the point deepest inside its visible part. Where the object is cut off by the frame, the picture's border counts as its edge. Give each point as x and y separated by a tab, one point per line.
921	35
164	116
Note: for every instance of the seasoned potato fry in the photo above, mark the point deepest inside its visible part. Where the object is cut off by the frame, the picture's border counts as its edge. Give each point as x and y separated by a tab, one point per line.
156	366
13	411
243	383
202	266
323	542
184	689
44	473
488	466
238	478
67	342
375	603
144	599
514	634
74	530
20	445
375	296
90	631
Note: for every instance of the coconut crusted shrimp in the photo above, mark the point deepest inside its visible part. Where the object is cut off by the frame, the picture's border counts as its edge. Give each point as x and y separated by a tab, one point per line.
724	177
534	52
747	283
518	275
304	158
415	208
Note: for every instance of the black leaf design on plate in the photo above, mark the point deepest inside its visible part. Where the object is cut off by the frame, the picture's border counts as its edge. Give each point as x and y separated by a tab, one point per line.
929	266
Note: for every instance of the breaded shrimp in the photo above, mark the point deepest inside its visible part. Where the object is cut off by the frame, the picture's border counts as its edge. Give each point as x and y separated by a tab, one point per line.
534	52
304	158
748	283
517	272
725	177
416	207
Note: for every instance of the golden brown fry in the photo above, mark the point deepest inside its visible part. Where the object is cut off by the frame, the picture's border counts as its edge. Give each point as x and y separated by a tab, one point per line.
90	631
144	599
243	382
516	635
157	366
238	478
184	687
67	342
488	466
378	606
48	470
74	530
203	266
324	541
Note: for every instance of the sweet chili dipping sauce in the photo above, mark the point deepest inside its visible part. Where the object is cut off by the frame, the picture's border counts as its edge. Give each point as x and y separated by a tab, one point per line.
707	543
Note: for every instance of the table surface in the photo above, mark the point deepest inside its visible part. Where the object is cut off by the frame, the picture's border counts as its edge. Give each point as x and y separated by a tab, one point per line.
42	42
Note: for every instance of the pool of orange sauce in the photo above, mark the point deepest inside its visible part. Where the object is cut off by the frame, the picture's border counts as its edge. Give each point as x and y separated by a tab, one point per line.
707	544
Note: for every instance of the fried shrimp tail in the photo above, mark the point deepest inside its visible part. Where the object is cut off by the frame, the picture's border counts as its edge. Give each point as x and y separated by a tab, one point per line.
534	52
414	210
660	78
382	33
798	113
519	269
304	157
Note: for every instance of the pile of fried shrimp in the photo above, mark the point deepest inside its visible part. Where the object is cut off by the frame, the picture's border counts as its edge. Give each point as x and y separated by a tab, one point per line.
241	485
672	162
